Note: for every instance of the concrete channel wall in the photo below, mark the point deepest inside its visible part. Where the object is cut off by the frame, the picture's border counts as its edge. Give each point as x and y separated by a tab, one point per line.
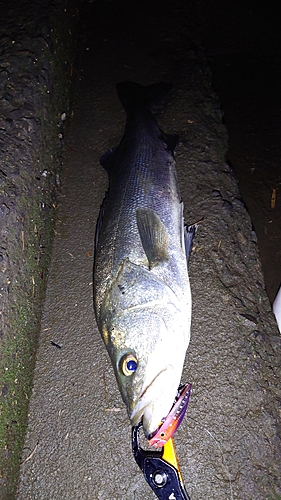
36	53
78	440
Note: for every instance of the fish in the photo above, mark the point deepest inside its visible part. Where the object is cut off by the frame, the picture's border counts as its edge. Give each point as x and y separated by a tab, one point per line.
142	296
276	308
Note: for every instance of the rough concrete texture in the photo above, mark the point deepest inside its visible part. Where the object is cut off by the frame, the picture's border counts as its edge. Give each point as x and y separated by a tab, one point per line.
31	126
243	45
78	441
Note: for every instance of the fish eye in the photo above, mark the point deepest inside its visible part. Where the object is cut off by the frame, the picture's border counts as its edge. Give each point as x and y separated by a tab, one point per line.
129	364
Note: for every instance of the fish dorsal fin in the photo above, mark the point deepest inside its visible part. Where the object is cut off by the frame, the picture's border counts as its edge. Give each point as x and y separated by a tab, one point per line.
108	160
154	236
170	140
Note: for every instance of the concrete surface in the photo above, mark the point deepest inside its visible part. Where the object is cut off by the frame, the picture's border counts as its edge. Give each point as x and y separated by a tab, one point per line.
34	41
78	442
243	45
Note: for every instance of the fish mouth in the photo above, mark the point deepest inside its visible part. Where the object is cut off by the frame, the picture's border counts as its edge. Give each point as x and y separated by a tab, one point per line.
155	401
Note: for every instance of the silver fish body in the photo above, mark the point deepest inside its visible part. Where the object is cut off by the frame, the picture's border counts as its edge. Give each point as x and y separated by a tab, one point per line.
142	294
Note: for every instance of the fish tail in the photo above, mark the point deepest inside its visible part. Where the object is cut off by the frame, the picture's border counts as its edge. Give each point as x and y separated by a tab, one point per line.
133	95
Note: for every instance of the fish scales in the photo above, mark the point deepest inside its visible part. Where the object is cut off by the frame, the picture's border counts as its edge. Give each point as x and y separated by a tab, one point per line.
141	287
138	181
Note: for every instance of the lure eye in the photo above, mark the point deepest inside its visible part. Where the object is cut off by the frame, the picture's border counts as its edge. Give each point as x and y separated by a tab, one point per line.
129	364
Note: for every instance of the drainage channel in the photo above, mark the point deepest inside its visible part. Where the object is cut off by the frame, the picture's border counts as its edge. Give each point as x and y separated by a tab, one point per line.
78	440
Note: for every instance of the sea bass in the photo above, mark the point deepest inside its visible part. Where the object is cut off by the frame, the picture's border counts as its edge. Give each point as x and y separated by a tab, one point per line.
142	295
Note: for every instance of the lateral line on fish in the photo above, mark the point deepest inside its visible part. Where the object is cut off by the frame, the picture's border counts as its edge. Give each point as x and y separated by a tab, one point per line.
148	305
118	218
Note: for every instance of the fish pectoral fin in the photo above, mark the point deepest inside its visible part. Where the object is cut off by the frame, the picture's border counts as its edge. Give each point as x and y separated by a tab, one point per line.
108	160
154	236
189	233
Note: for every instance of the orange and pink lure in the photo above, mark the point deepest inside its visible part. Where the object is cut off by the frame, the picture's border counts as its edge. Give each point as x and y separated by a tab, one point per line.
173	420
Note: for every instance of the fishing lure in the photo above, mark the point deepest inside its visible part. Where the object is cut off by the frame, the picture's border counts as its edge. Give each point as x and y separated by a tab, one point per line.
173	420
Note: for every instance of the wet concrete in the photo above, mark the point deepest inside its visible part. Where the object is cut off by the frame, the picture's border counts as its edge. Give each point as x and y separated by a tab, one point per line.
78	441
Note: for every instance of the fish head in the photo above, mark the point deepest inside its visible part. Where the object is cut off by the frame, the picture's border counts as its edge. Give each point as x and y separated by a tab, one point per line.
148	361
146	330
